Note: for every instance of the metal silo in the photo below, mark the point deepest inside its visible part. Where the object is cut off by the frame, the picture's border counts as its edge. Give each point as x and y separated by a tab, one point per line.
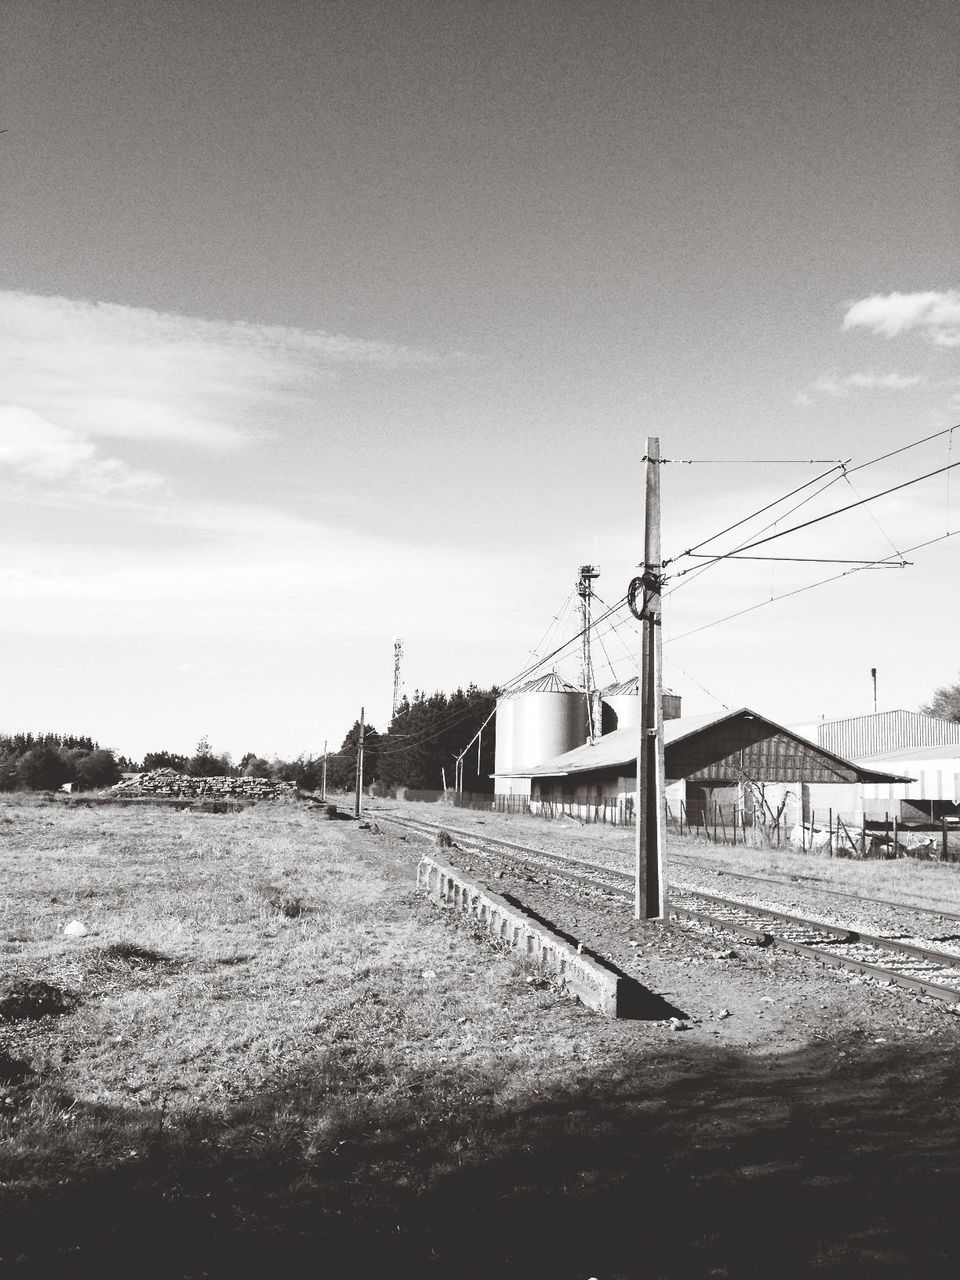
549	718
503	736
621	705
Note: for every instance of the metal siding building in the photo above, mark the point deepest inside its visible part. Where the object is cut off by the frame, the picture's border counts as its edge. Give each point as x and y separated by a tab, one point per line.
860	737
711	753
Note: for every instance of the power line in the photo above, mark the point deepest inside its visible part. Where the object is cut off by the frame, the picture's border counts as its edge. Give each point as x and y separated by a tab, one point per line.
848	471
733	555
905	484
753	515
810	586
741	462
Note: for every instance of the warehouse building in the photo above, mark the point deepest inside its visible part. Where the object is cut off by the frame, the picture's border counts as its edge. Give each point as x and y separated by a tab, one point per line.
737	760
924	748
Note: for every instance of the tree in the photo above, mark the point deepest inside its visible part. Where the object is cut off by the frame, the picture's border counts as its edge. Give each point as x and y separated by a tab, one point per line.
164	760
342	765
945	703
427	734
42	769
97	769
205	764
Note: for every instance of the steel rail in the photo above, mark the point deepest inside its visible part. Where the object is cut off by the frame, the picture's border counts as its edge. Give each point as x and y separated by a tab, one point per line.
747	914
743	875
815	887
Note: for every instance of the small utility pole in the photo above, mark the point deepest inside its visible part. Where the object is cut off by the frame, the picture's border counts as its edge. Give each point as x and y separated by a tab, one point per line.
359	765
323	775
650	901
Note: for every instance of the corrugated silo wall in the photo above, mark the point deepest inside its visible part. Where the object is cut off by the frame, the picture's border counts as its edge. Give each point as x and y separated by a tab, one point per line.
546	725
626	707
503	728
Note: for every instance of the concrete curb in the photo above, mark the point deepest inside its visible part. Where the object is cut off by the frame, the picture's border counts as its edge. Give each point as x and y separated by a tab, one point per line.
595	984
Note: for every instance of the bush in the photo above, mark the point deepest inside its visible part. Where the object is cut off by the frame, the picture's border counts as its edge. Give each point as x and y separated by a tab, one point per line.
42	769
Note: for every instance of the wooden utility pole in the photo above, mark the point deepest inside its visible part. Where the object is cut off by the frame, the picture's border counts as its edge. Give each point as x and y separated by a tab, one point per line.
359	766
323	776
650	898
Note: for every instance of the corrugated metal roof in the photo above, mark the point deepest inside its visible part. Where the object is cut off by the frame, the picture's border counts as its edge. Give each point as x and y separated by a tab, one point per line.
620	748
628	687
876	734
940	751
624	687
550	683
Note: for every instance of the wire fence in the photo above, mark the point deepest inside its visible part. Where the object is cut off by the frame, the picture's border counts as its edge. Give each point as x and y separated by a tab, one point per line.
829	832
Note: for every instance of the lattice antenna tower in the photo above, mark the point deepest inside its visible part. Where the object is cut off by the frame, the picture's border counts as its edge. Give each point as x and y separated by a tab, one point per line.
397	655
588	573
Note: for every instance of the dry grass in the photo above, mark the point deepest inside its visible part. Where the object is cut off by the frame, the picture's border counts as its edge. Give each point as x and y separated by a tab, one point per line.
354	1086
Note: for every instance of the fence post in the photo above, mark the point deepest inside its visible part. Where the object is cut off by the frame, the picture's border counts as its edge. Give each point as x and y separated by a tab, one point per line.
682	815
943	849
715	806
830	831
723	825
895	825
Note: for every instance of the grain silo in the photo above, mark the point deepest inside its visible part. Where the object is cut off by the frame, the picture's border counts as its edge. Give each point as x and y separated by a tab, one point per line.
621	705
542	719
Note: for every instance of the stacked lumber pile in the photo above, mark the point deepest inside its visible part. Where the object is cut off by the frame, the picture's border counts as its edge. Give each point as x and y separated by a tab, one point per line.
181	786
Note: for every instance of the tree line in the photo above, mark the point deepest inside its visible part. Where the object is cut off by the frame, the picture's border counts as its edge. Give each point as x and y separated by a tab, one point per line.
419	749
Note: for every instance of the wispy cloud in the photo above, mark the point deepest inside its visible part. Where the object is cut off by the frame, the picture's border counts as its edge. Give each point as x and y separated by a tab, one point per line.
100	369
850	383
832	385
37	451
935	314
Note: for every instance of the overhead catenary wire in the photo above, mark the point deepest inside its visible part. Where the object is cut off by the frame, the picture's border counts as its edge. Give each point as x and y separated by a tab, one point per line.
827	515
733	555
786	595
842	467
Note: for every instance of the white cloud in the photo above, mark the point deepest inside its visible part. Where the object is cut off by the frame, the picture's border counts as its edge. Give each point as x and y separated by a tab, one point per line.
102	369
936	314
833	385
33	449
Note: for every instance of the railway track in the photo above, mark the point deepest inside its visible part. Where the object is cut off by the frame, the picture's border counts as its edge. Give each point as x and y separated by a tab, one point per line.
787	881
928	970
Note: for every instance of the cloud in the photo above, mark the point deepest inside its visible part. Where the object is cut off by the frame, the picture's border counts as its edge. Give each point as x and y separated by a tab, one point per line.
831	385
101	369
837	385
33	449
934	314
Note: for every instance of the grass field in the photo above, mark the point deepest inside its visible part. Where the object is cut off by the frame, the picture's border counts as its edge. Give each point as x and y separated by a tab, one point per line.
272	1055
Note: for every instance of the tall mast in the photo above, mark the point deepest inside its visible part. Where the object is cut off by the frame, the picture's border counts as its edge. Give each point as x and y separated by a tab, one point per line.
397	655
588	573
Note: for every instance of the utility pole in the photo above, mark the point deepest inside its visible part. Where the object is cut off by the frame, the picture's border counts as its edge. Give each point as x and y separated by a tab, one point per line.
359	766
650	897
873	676
323	776
588	573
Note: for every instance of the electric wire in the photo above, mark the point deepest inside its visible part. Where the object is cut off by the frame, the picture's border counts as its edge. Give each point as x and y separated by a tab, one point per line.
786	595
846	470
827	515
872	514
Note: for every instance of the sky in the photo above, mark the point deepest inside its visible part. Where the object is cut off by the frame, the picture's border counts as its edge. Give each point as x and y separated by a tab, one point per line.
324	323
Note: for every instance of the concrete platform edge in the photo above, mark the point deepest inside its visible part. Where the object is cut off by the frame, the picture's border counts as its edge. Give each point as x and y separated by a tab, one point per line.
594	983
